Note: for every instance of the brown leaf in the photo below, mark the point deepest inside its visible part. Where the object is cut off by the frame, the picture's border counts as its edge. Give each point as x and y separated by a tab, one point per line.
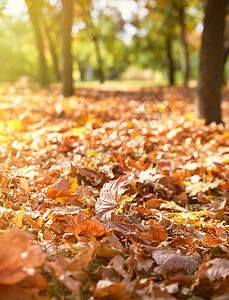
64	277
104	251
79	224
209	241
215	269
154	203
90	177
107	288
221	233
18	257
170	262
109	197
82	260
179	241
60	185
28	289
158	233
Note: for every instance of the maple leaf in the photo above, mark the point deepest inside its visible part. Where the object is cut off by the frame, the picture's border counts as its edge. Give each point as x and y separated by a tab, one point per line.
109	197
109	200
79	224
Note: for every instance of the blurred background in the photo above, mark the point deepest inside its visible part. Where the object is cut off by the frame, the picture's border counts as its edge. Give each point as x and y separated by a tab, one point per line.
145	40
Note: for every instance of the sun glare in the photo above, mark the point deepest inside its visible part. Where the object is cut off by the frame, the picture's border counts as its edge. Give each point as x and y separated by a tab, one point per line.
14	7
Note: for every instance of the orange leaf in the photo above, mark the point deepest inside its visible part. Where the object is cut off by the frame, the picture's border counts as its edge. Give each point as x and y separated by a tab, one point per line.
154	203
179	241
104	251
209	241
158	233
79	224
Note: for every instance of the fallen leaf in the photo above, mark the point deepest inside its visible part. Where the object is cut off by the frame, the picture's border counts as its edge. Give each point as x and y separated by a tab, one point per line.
170	262
215	269
109	197
158	233
105	251
19	257
107	288
79	224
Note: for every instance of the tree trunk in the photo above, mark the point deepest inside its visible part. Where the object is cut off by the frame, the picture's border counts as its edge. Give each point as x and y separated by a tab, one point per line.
66	47
171	68
40	44
225	56
99	59
226	51
211	59
53	52
184	44
82	69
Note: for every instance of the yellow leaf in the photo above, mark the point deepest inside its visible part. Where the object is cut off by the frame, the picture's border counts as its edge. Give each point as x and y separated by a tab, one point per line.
161	107
2	127
15	125
18	219
209	197
78	131
189	116
226	134
73	184
92	153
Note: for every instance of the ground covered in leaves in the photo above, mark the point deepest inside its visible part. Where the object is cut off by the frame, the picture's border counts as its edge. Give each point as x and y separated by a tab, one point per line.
112	195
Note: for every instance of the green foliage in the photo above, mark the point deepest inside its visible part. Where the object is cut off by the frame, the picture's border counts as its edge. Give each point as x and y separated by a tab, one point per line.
16	52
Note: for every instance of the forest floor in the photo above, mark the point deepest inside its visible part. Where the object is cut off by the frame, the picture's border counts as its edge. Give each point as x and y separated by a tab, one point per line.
112	194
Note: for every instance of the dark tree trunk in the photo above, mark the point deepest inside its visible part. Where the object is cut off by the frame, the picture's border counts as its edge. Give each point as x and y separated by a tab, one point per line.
53	52
225	56
226	51
211	59
66	47
82	69
40	44
184	44
171	68
99	59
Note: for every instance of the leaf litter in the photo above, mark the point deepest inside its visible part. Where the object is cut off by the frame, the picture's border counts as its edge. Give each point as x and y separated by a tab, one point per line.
119	196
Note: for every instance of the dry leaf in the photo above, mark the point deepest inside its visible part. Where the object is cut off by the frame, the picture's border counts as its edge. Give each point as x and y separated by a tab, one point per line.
170	262
18	257
215	269
106	251
107	288
109	197
79	224
158	233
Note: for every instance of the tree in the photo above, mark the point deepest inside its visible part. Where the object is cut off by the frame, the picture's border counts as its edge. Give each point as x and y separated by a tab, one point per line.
211	60
34	8
51	25
171	65
180	7
66	47
226	51
86	8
